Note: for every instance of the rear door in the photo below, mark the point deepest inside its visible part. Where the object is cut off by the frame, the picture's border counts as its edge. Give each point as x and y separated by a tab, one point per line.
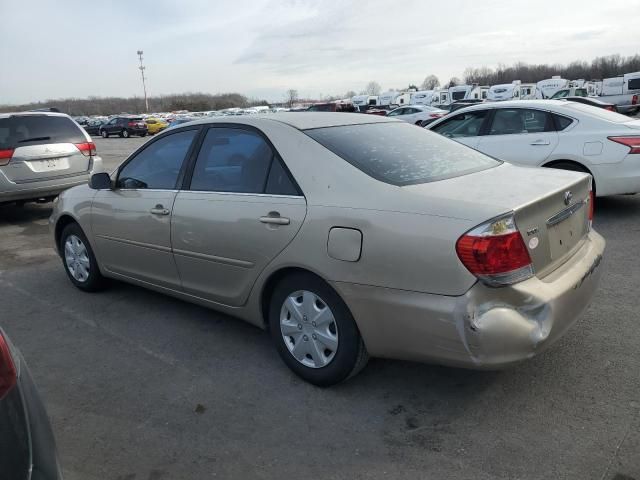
240	209
520	135
464	128
44	147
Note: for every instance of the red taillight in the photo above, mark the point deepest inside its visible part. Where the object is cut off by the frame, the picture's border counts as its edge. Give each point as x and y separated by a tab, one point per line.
632	142
634	100
5	156
495	253
88	149
8	374
436	115
611	108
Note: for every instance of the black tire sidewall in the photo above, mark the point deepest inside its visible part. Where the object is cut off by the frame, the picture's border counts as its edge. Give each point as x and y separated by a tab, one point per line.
349	340
95	280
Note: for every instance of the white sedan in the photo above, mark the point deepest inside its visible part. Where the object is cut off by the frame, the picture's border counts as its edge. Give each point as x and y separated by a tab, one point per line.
418	114
556	134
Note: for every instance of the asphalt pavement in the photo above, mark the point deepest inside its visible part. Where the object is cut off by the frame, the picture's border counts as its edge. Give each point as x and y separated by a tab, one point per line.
140	386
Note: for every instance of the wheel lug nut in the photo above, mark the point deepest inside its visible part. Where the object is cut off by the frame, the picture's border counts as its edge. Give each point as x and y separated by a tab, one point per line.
313	323
305	338
314	336
304	317
299	326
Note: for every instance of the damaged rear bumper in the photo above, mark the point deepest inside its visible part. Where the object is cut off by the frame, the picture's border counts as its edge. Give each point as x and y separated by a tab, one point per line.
485	328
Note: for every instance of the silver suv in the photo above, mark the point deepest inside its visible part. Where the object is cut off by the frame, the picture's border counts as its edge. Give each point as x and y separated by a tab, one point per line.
42	154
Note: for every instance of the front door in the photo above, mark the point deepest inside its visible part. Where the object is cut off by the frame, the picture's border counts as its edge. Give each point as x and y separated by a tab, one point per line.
520	135
132	222
241	209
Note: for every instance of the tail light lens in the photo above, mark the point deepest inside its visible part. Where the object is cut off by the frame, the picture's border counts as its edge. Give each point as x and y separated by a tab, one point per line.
436	115
634	100
495	252
5	156
8	373
88	149
632	142
611	108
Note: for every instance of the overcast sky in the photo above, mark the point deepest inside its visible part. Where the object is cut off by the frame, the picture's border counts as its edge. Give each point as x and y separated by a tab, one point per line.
261	48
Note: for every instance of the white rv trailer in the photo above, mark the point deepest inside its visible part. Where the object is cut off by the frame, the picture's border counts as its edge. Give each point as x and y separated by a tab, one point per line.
440	97
422	97
390	98
364	100
515	90
546	88
466	92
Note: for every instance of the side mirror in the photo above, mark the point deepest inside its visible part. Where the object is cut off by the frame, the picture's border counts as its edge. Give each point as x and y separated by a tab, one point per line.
100	181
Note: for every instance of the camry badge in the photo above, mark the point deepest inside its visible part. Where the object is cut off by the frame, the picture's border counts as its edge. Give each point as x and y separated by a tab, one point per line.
567	197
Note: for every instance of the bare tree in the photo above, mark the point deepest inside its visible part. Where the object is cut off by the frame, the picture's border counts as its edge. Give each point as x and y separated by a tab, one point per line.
350	94
372	88
430	82
292	97
453	81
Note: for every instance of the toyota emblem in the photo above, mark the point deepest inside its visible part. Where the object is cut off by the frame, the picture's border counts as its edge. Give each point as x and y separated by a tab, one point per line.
567	197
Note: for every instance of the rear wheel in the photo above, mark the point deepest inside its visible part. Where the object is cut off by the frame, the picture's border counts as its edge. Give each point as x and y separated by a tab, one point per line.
125	133
574	167
78	259
314	332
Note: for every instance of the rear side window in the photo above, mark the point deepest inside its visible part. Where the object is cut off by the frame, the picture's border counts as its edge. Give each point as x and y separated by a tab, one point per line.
562	122
19	131
509	121
232	160
598	112
400	153
634	84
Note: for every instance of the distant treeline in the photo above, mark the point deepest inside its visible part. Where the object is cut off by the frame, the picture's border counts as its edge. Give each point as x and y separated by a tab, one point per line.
194	102
599	68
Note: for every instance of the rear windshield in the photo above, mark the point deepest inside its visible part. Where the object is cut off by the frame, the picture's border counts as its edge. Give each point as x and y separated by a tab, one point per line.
597	112
19	131
400	153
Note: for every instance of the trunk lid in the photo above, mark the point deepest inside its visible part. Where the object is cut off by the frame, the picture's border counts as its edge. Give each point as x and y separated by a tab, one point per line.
552	228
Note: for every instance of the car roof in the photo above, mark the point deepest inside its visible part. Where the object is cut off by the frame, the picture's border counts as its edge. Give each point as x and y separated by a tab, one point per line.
24	114
515	103
302	120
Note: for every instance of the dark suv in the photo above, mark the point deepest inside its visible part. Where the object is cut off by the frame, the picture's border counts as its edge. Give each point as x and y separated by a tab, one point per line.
124	127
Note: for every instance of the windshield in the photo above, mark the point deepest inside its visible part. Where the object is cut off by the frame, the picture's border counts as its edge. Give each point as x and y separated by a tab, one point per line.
399	153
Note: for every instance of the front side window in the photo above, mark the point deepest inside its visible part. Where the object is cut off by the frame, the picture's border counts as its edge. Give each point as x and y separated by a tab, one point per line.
398	111
462	125
560	94
158	165
232	160
510	121
399	153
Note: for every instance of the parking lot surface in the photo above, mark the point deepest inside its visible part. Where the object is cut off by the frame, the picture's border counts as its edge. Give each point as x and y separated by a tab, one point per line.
143	386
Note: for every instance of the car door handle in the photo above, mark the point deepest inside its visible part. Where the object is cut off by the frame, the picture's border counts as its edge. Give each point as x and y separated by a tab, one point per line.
541	142
274	218
160	210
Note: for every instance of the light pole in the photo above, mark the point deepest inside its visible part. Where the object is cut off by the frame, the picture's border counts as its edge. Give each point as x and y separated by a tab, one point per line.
144	85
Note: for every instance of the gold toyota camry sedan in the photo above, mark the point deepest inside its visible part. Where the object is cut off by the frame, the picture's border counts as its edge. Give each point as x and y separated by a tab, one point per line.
345	236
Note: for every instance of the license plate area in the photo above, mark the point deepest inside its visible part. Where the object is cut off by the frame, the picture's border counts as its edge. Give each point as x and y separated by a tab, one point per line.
49	164
565	234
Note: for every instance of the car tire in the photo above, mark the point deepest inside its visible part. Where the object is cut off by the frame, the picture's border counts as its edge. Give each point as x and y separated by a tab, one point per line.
143	134
104	134
125	133
332	349
78	259
573	167
419	123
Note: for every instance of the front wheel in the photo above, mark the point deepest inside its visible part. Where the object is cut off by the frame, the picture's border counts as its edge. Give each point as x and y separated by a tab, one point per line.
125	133
314	331
78	259
104	134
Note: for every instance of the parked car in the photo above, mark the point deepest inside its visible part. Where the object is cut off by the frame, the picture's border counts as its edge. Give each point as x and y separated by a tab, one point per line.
42	154
417	114
92	127
556	134
461	104
124	127
344	235
26	440
331	107
179	121
594	102
623	90
155	125
570	92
